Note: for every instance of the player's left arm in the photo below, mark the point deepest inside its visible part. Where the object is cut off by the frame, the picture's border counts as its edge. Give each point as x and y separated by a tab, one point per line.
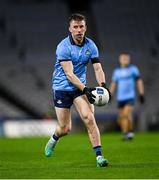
139	85
99	73
100	76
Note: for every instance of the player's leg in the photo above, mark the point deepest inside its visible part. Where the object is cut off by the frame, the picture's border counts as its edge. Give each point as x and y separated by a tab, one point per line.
130	118
62	102
64	121
130	121
123	120
86	111
63	128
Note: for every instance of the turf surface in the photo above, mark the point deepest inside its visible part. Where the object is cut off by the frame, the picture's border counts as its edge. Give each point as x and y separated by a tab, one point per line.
74	158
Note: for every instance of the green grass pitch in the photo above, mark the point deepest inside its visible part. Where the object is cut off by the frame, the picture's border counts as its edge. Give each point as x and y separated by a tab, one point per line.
74	158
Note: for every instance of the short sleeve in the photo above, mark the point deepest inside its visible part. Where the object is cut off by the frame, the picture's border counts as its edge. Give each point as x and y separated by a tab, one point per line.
95	52
114	76
136	72
63	52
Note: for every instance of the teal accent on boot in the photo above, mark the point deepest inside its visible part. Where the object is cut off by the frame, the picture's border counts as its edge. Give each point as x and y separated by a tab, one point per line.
102	162
49	148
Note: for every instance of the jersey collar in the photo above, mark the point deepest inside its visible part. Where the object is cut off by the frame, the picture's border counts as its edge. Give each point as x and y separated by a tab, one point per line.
73	43
125	66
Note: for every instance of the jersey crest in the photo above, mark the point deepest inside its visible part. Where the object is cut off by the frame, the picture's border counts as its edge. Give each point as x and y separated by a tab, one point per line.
87	52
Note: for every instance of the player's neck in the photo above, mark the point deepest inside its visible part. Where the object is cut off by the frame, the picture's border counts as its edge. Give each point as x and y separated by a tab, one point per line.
124	65
78	42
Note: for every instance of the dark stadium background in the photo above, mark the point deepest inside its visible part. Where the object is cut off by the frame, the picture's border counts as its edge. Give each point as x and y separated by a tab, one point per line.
29	33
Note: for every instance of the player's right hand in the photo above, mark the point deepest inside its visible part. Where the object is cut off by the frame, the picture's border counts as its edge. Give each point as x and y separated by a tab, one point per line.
88	92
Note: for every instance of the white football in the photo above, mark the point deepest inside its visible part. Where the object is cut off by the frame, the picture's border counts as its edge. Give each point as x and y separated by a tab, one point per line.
102	96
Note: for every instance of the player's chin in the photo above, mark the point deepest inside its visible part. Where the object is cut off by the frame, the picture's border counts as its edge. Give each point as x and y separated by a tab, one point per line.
80	37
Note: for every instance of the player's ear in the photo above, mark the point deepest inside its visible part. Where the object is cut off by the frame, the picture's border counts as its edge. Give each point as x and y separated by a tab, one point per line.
70	28
85	29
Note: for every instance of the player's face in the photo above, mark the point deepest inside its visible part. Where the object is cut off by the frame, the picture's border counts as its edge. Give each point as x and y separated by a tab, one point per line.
124	60
77	29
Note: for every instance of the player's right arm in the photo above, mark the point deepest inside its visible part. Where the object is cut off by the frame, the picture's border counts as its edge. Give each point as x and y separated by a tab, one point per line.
68	69
63	55
113	83
112	87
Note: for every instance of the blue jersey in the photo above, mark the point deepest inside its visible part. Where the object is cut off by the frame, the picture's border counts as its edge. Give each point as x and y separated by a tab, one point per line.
80	55
125	78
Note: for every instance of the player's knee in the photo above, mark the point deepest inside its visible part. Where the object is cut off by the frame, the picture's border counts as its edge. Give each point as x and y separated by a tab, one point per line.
87	115
123	116
89	119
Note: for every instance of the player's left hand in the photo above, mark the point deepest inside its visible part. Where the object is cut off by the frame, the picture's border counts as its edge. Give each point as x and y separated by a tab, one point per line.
141	99
104	85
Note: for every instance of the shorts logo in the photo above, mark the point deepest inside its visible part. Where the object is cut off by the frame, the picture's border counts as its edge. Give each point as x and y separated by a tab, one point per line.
59	102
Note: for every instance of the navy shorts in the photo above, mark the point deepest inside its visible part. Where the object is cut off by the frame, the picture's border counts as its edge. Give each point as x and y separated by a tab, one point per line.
121	104
64	99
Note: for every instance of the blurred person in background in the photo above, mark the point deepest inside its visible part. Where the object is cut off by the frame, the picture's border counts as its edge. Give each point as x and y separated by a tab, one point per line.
125	79
69	85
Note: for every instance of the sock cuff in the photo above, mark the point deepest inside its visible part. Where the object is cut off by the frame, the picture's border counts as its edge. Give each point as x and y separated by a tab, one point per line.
98	150
56	138
97	147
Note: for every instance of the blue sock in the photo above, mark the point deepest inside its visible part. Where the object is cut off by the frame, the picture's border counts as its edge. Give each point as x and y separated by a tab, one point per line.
98	150
56	138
